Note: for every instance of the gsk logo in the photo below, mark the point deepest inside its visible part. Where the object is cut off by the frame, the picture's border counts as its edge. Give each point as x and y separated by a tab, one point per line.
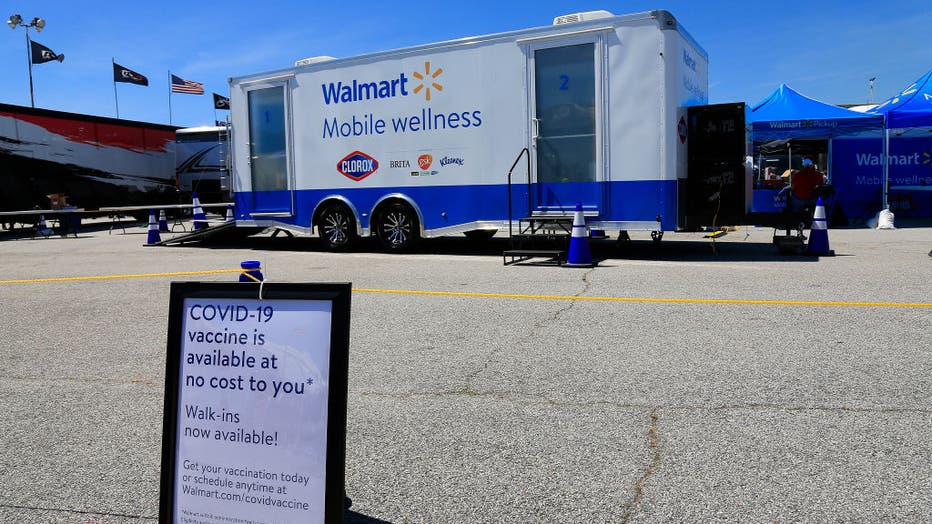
424	161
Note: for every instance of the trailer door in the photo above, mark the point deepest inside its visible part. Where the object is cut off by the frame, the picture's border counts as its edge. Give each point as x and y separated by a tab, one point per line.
268	152
565	120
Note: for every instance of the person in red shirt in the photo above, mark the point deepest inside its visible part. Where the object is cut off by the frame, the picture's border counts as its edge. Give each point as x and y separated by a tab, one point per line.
804	183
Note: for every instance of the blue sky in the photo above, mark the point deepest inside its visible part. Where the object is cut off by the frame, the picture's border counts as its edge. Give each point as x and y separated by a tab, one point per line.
826	49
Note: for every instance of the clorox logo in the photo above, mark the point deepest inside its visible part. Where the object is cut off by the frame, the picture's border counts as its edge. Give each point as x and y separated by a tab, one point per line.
357	165
424	161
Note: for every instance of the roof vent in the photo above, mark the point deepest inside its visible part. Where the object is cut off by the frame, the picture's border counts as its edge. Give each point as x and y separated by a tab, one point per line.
313	60
581	17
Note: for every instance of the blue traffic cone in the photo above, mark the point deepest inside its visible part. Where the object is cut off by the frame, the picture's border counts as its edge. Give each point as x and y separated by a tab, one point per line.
818	235
153	237
200	221
42	228
229	217
163	221
579	255
250	271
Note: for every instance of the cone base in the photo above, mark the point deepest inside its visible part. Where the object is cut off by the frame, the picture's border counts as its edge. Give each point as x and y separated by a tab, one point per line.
590	264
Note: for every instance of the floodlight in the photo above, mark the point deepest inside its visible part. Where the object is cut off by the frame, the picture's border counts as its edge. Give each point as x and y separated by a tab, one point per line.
14	21
38	23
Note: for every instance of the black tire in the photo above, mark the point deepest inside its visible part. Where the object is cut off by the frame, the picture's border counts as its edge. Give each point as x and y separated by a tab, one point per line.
481	235
336	227
397	228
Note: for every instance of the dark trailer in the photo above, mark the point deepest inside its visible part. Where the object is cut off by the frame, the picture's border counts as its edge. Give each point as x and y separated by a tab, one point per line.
94	161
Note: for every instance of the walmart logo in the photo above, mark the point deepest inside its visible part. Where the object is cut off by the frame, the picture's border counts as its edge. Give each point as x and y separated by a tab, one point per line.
358	90
428	81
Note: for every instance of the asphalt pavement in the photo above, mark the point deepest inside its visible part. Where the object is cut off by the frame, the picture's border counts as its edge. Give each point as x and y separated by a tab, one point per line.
696	380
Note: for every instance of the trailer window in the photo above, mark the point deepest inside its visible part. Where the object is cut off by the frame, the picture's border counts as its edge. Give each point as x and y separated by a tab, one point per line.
565	99
267	139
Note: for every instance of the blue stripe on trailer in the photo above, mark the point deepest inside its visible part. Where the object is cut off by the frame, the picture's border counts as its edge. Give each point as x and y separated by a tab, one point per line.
445	206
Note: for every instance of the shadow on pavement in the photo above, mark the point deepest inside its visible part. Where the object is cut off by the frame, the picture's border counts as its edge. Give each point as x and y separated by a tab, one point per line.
353	517
693	249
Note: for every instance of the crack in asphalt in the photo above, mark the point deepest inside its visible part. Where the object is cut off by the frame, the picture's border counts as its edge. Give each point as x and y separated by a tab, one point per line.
468	389
537	399
653	443
552	318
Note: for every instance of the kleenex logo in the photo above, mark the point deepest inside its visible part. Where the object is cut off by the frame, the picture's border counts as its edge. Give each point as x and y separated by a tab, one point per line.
688	60
448	160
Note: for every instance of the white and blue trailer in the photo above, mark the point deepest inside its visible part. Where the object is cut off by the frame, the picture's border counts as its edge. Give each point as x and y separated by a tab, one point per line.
417	142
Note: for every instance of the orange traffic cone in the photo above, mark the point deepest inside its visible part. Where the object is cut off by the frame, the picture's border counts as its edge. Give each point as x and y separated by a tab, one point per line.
818	235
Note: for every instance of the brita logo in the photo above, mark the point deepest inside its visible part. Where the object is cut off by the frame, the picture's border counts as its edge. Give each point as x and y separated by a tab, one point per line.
357	165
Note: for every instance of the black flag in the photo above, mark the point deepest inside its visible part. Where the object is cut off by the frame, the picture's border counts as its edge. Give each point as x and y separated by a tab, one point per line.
122	74
221	102
42	54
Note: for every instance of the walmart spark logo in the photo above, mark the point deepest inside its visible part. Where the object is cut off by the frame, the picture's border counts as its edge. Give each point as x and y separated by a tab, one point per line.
927	159
428	80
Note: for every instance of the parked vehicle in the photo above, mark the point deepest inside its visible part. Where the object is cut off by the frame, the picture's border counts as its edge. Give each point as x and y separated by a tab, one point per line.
418	142
94	161
202	162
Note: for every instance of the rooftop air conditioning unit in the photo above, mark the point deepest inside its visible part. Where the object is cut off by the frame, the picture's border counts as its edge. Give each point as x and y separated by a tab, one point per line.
313	60
581	17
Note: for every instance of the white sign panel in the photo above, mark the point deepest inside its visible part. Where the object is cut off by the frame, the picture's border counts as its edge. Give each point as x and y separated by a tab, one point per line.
251	423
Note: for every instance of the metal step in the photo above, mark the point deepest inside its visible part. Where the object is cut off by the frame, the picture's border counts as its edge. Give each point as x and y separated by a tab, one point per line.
553	256
546	226
223	231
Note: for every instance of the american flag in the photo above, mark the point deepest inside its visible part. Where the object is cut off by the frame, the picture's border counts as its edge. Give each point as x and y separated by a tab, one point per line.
180	85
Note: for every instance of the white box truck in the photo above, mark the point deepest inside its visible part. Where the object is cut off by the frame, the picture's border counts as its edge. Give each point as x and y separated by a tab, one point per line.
418	142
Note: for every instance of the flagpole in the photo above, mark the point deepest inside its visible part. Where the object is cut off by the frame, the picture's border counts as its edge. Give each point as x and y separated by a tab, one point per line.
169	97
32	98
115	99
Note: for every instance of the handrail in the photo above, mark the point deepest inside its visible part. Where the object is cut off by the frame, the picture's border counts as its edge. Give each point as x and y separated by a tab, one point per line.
527	154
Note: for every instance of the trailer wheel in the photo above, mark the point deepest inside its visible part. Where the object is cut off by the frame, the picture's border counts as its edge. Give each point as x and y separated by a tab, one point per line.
336	227
397	228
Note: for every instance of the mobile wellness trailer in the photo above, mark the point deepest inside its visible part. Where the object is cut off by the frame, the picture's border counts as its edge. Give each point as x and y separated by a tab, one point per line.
417	142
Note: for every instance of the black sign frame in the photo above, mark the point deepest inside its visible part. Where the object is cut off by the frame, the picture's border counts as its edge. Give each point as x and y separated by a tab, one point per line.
339	296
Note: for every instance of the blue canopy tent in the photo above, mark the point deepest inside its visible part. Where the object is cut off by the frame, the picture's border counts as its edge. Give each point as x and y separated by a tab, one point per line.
910	108
786	114
788	121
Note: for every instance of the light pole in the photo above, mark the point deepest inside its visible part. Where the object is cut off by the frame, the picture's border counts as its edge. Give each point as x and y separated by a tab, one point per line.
17	21
870	98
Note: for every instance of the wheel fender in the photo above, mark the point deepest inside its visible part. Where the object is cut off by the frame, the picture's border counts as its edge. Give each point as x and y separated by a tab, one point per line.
406	199
342	200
